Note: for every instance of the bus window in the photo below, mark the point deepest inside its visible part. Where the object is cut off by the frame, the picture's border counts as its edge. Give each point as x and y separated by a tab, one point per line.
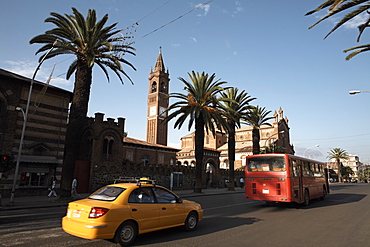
306	169
295	168
266	164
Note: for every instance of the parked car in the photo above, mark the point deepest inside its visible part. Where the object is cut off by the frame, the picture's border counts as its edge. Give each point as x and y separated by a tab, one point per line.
333	176
130	207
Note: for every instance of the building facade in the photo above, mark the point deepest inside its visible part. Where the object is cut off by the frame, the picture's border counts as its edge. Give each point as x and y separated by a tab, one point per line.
43	144
276	134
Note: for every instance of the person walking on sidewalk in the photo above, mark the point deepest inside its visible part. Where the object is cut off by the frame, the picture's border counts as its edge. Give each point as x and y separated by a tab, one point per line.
74	188
53	184
241	181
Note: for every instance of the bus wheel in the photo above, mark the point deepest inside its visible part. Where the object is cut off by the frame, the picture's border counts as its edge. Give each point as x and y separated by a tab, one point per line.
306	201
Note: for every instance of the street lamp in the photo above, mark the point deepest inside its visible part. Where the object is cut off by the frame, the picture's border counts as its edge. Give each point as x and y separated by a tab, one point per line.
280	132
357	91
25	115
304	153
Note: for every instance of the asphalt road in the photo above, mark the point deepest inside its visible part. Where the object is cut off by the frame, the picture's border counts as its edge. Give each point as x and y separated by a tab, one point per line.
342	219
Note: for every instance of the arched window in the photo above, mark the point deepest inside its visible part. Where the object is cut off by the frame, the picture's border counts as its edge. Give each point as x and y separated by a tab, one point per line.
108	145
192	164
163	87
154	87
145	159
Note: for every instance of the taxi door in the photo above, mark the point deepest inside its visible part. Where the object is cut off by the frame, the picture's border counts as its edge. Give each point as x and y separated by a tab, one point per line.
172	210
143	208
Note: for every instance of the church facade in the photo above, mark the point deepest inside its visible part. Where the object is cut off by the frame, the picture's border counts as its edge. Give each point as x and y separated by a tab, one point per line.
217	160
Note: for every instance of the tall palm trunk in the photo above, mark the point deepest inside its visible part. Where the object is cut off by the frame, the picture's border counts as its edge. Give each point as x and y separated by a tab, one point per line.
256	140
231	147
199	147
77	118
339	171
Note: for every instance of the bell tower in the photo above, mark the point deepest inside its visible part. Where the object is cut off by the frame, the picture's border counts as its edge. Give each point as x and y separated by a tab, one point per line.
156	130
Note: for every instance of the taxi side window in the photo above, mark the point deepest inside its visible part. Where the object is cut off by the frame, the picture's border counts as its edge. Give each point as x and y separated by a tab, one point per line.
141	195
163	196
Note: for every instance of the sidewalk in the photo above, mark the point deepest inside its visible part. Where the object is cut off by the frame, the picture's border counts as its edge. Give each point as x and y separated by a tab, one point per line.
29	202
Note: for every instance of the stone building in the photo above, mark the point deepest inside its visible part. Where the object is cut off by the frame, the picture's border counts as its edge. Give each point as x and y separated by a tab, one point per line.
43	145
277	134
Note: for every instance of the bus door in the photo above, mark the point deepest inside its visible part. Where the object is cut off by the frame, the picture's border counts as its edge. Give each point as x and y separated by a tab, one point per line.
297	183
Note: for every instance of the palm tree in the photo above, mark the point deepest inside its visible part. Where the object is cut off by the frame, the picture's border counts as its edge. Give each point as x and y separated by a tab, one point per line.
337	6
234	109
257	117
92	43
200	105
338	154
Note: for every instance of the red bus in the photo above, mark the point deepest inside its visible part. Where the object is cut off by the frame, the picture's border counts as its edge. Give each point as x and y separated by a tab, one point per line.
284	178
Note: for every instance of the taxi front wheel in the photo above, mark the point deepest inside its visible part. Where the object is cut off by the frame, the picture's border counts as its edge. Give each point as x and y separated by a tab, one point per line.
191	222
126	233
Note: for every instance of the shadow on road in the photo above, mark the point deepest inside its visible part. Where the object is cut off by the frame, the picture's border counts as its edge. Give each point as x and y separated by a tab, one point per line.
206	226
330	200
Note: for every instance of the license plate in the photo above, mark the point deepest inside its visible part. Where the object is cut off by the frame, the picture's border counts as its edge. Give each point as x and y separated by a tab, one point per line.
265	191
76	213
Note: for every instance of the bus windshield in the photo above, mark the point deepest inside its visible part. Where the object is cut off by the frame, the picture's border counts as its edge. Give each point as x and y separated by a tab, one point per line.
266	164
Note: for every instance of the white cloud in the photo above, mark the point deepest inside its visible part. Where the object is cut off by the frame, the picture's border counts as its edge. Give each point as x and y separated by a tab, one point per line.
357	21
193	39
27	69
205	7
239	7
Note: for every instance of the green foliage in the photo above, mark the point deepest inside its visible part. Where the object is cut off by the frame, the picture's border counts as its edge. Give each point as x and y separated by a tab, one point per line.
240	168
341	6
273	148
338	154
88	39
256	117
200	100
346	172
235	106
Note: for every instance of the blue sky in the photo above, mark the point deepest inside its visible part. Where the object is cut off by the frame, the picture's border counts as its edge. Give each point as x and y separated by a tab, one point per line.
263	47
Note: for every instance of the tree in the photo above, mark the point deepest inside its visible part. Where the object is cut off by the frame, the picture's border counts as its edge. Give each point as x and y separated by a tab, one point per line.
338	6
338	154
234	109
201	105
92	43
347	172
257	117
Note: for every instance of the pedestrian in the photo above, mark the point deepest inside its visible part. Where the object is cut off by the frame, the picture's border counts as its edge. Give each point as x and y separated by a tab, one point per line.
53	185
74	188
241	181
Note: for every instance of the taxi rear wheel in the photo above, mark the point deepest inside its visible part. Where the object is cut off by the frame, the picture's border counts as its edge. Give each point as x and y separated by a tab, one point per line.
126	233
191	221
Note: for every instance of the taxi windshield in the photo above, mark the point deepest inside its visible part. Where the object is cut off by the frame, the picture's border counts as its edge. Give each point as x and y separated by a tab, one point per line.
266	164
108	193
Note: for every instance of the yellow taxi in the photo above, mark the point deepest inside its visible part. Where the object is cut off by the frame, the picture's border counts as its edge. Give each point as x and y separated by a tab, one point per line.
123	210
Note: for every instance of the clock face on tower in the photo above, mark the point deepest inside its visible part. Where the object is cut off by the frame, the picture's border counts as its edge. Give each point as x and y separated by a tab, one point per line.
152	110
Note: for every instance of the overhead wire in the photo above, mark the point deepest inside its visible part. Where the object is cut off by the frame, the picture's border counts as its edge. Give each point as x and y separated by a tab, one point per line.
168	23
135	24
